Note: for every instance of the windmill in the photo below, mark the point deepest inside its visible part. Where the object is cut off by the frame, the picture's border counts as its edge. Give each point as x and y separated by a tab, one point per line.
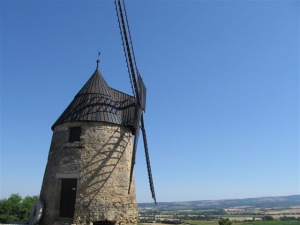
89	173
138	89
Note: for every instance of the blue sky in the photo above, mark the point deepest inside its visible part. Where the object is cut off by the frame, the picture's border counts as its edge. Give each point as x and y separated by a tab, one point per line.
222	77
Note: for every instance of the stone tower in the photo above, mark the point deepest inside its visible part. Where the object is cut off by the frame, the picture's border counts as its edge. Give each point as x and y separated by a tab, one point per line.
86	179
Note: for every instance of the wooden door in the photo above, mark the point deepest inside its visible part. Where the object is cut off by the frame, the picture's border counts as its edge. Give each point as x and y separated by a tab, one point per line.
68	197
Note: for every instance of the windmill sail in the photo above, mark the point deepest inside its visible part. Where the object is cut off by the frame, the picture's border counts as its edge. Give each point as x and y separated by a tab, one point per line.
142	91
148	159
127	45
139	91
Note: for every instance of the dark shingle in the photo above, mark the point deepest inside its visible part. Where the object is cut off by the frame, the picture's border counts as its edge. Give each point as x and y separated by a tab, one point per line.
96	101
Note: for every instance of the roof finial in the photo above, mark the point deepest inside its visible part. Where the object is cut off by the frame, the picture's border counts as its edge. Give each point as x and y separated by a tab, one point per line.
98	60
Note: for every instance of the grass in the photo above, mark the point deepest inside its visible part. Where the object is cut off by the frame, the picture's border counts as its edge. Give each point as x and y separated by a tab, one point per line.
202	222
272	222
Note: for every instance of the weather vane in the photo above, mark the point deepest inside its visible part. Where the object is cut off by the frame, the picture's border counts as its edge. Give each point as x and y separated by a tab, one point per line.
98	60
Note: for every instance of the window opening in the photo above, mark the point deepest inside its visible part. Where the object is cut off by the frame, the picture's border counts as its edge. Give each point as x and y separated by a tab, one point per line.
75	133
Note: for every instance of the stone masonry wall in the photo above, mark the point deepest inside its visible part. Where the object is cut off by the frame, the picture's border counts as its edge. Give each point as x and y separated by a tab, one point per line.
101	162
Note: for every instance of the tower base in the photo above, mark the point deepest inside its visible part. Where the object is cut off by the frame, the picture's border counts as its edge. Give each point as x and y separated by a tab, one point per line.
86	182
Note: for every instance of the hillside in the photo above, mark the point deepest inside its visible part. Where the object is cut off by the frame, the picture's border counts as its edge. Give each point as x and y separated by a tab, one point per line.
262	202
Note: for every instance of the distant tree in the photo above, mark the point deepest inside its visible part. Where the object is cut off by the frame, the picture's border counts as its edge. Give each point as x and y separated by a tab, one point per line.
224	221
288	218
16	208
171	221
267	218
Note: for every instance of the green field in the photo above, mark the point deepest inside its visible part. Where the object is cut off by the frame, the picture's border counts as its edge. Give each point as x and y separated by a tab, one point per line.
273	222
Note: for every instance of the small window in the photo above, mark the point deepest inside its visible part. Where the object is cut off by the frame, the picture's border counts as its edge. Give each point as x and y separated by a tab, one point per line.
75	133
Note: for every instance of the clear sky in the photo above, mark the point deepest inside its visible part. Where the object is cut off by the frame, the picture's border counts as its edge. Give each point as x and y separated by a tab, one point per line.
222	77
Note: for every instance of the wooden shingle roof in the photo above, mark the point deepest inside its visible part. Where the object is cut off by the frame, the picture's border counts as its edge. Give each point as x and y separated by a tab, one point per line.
97	102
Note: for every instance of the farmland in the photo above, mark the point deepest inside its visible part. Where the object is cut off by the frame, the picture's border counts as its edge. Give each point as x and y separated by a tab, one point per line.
274	222
255	211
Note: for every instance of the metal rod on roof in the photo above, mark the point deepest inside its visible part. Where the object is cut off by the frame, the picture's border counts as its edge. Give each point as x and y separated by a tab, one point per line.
98	60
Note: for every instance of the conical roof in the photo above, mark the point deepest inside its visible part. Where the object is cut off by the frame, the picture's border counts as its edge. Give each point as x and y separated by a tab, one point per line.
96	101
95	85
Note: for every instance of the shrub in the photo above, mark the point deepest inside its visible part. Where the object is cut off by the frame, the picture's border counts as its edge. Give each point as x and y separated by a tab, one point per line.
16	208
225	221
267	218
